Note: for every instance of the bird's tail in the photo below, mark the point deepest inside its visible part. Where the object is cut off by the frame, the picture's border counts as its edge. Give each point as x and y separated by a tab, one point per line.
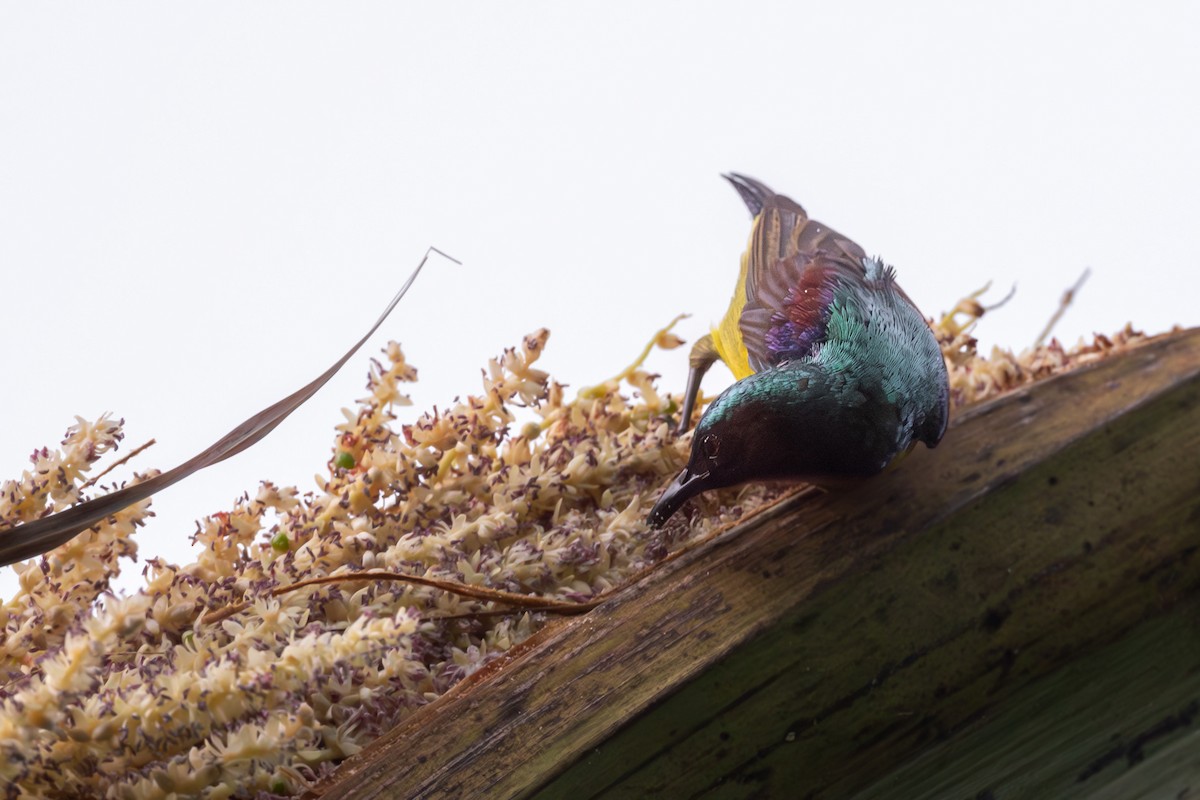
753	193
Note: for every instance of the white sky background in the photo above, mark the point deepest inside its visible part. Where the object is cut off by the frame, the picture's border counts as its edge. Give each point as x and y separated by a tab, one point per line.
202	206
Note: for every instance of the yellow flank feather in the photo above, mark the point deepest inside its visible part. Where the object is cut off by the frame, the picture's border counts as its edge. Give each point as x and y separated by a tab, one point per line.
727	336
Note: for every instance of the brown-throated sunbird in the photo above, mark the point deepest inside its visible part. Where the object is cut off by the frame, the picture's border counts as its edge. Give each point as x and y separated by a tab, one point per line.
837	371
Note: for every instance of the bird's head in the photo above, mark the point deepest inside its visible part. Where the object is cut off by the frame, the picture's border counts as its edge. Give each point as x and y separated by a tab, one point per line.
789	422
720	457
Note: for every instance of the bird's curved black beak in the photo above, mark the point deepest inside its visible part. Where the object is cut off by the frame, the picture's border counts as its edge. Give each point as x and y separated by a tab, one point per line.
685	486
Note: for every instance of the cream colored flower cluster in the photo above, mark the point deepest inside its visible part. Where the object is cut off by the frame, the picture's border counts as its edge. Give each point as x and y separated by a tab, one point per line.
974	378
139	697
515	488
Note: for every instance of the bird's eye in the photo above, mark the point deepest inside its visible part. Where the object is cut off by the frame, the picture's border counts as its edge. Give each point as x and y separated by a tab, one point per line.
711	444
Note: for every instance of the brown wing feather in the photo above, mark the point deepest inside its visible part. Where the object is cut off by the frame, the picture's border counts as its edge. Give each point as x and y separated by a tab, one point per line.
791	257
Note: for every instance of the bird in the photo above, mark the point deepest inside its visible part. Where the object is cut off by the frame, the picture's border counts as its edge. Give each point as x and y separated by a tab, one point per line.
837	371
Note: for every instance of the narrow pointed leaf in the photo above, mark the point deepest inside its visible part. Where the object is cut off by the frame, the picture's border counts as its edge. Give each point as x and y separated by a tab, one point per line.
43	535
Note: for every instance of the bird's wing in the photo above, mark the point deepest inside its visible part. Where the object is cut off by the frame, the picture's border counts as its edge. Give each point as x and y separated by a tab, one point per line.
786	317
794	265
